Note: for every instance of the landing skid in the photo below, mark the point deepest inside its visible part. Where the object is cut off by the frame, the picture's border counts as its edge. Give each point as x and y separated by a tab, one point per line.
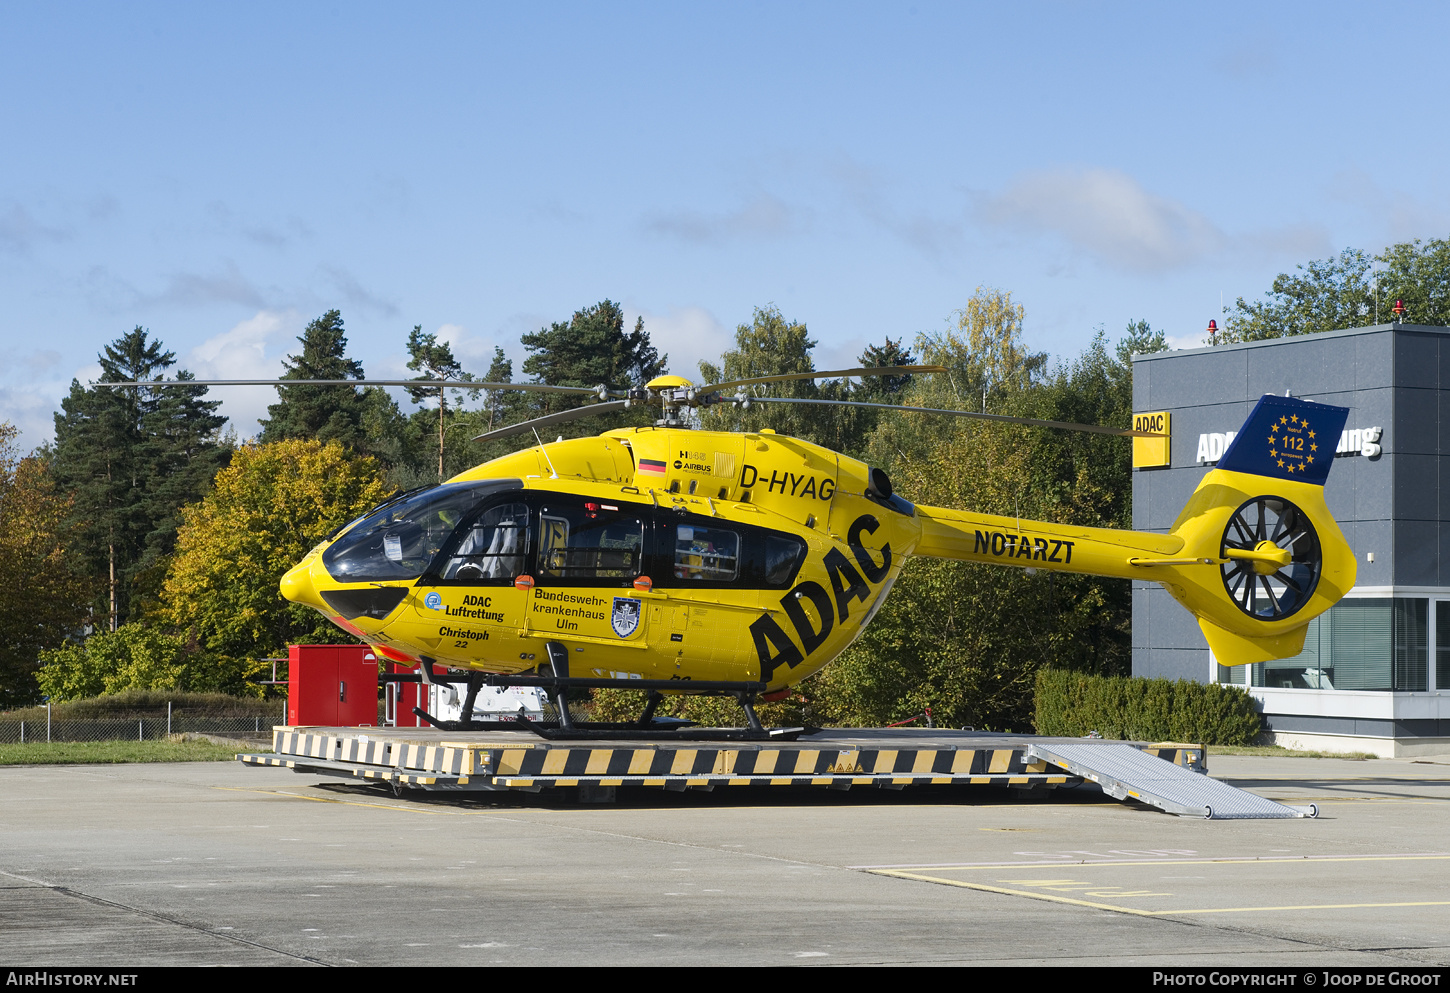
664	729
558	683
685	731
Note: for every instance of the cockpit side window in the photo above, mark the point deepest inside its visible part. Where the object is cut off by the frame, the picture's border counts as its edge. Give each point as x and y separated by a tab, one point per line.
494	547
401	539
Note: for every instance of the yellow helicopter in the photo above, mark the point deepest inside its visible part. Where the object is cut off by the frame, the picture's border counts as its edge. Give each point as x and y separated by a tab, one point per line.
669	559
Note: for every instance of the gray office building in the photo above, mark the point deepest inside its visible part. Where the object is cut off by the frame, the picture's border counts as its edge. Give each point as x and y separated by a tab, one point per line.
1375	671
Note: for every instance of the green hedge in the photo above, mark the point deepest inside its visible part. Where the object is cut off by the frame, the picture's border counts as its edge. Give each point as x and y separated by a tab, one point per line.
1070	704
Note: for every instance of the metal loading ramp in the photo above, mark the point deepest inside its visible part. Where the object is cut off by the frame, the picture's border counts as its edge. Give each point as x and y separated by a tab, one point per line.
1125	772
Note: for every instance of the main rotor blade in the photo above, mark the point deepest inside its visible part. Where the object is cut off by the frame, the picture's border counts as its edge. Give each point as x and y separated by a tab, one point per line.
559	418
1032	421
422	384
890	370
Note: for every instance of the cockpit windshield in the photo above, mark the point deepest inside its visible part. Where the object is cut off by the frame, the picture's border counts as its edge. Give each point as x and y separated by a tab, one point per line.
400	539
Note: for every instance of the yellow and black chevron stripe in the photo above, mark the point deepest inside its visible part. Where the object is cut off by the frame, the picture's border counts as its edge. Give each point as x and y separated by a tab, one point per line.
486	765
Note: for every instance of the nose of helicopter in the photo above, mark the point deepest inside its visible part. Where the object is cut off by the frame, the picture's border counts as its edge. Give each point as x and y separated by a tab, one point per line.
297	585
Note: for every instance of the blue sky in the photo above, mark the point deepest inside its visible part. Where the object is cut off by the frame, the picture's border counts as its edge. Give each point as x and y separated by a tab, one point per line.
223	173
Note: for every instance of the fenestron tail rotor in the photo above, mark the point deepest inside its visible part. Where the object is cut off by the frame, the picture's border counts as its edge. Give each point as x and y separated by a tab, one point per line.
1273	558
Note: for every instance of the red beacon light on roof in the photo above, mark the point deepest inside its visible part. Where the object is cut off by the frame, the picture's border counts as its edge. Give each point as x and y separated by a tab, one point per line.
1399	310
1212	329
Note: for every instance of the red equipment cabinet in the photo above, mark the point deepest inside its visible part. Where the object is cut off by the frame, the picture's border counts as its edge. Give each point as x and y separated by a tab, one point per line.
332	686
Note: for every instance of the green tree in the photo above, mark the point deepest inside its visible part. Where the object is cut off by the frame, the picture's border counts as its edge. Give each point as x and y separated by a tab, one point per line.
1327	294
845	429
1139	339
967	640
883	389
131	457
1420	276
267	509
592	349
136	657
182	452
435	360
132	657
400	445
326	413
1350	290
501	406
984	349
44	602
769	345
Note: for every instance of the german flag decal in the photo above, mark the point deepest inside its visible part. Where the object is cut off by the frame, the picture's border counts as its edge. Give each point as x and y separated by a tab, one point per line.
652	466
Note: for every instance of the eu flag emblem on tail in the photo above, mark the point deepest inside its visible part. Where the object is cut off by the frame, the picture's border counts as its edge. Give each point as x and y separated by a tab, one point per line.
1287	438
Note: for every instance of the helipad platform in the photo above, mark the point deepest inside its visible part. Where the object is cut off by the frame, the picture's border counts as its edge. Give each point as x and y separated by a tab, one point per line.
840	758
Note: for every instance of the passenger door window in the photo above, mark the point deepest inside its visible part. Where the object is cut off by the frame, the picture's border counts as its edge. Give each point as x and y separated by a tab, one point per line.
590	542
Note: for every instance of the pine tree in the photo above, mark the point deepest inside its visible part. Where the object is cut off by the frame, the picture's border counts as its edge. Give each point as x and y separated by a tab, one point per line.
501	405
131	457
182	453
435	360
592	348
326	413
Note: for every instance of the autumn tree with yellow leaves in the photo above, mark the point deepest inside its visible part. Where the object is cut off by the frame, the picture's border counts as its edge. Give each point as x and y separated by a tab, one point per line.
265	512
42	601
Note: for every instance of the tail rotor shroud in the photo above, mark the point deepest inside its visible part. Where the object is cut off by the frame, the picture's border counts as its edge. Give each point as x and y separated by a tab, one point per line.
1260	587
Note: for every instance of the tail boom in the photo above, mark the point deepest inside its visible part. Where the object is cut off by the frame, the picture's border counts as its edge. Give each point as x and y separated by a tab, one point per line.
1255	554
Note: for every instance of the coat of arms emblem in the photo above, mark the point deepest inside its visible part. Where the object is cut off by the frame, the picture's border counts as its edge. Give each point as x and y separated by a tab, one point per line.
625	617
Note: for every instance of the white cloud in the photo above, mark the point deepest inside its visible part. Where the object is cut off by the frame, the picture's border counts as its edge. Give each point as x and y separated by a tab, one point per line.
195	289
473	352
355	294
687	335
1295	241
31	391
31	410
21	231
1399	216
1178	342
88	373
1252	58
764	216
1107	214
934	234
252	349
38	362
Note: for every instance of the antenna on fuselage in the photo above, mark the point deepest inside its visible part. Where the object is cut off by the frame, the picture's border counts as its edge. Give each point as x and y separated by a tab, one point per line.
553	473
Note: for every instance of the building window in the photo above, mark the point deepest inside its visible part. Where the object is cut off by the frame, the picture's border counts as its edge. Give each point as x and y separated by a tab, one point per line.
1365	644
1442	644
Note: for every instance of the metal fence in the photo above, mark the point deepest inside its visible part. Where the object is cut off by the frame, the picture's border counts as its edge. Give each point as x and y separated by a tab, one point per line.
132	728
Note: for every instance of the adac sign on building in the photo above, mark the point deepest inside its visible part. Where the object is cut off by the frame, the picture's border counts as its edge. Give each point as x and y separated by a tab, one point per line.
1352	441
